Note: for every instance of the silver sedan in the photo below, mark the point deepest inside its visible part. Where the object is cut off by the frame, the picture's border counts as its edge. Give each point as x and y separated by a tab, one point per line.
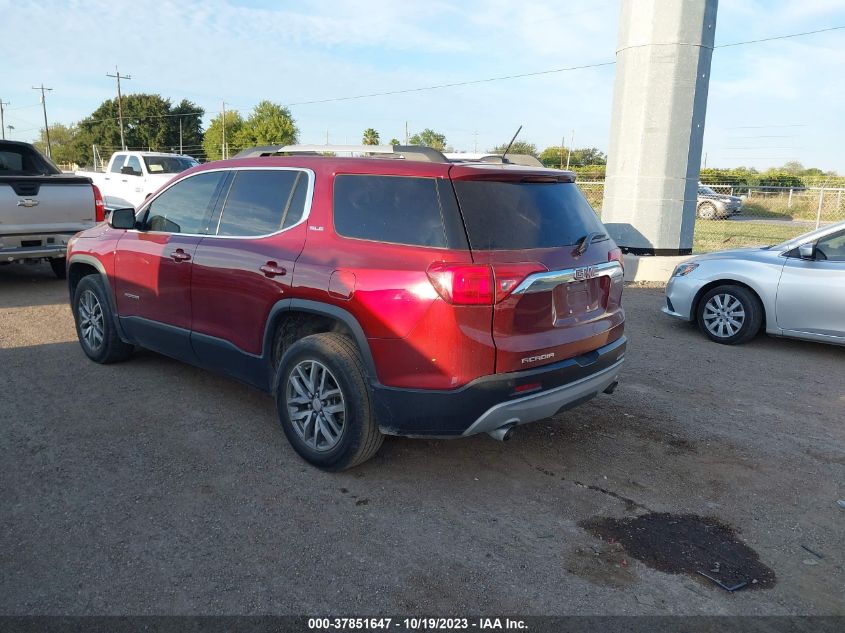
794	289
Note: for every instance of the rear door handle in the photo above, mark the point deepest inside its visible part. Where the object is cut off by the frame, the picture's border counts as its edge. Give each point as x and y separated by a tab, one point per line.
179	255
272	269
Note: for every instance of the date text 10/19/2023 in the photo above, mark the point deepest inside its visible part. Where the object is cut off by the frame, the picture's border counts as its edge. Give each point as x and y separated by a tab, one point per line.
415	624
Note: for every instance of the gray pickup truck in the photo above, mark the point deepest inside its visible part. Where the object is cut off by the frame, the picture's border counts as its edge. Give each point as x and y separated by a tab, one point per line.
40	207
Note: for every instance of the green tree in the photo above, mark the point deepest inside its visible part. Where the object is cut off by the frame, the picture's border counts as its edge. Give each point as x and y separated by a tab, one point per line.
190	115
581	157
212	140
518	147
395	141
371	137
429	138
64	146
268	124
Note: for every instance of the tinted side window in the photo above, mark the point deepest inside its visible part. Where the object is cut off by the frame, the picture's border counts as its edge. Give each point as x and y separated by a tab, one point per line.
183	207
117	163
11	161
831	248
394	209
135	164
520	215
263	202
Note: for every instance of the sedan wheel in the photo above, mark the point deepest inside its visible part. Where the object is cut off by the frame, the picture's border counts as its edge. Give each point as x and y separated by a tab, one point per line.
730	314
723	315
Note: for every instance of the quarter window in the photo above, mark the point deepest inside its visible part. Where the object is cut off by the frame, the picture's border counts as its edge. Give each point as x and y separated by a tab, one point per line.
261	202
395	209
183	208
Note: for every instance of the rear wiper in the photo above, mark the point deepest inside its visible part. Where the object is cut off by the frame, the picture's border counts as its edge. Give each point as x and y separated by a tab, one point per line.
589	238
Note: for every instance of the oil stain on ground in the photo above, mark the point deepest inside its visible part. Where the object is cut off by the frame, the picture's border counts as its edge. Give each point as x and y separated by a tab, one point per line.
685	544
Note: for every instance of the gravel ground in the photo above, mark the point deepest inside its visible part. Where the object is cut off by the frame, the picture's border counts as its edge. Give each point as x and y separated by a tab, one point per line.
152	487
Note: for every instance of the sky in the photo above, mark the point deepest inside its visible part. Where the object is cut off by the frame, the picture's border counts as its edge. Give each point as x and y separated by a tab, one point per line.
769	103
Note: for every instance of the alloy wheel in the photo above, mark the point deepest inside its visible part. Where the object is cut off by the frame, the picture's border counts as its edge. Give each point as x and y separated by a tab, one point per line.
724	315
315	405
91	321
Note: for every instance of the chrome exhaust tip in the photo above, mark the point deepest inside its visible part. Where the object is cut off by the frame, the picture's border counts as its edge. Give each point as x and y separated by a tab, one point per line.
502	434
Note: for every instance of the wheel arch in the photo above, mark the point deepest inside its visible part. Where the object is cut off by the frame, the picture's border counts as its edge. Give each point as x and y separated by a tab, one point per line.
726	282
313	317
81	266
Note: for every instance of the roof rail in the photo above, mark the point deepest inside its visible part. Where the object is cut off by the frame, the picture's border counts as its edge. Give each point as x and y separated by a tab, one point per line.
526	160
408	152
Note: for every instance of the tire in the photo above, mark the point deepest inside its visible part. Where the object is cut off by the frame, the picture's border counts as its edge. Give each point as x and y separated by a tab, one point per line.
730	314
334	431
708	211
59	267
92	314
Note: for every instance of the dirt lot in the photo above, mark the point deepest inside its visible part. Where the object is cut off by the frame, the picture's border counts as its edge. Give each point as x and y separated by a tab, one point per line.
155	487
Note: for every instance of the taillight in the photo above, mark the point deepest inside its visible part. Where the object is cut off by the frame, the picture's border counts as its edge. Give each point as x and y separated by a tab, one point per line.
99	205
463	284
615	255
478	284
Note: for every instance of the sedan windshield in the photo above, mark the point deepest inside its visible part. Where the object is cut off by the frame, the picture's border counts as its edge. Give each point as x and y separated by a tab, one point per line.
707	191
168	164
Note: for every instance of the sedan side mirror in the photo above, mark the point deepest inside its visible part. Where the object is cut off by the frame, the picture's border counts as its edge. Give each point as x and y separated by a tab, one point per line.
807	251
122	218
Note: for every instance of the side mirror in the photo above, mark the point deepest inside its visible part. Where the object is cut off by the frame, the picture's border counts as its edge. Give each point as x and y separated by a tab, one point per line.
122	218
129	171
807	251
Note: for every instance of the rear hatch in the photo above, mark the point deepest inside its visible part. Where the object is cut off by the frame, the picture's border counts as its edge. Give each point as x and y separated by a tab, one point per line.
557	275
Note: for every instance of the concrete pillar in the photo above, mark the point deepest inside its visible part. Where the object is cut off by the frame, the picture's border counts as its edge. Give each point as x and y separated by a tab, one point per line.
659	102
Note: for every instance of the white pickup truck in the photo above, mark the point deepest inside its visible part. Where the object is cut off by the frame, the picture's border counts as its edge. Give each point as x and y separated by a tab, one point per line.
131	176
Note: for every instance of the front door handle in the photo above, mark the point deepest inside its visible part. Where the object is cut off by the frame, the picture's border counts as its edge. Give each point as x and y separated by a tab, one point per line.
272	269
179	255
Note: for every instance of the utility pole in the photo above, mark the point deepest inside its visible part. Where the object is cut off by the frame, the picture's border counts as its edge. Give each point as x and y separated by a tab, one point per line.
118	76
571	143
562	140
223	149
2	120
406	132
327	137
180	136
10	127
476	142
44	108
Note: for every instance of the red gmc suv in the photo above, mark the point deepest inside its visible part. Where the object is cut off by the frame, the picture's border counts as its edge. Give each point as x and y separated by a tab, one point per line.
395	293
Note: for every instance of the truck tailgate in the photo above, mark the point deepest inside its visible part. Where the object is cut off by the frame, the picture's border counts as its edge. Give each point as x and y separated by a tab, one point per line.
31	205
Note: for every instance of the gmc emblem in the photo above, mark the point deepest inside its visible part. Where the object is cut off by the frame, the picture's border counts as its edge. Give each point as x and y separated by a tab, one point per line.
585	273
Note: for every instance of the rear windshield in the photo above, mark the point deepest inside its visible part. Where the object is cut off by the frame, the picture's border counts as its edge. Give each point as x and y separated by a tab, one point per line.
21	160
521	215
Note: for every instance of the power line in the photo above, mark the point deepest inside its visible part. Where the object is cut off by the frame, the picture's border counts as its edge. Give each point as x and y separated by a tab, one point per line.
782	37
450	85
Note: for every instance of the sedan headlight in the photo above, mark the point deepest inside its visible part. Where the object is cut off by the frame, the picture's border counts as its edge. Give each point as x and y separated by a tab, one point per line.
684	269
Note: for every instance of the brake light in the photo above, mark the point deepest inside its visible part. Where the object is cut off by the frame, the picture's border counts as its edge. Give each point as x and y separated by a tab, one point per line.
99	205
463	284
478	284
615	255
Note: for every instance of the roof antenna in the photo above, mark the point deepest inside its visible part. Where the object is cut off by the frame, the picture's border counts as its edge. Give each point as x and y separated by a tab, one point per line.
508	148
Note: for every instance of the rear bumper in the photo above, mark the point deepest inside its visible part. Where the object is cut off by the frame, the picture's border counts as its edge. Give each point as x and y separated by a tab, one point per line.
32	252
491	402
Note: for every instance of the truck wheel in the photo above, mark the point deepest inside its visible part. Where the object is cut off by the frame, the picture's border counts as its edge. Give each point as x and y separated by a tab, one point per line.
59	267
730	314
95	323
323	402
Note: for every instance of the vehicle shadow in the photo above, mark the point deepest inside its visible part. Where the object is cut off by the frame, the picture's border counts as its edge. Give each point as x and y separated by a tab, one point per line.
23	285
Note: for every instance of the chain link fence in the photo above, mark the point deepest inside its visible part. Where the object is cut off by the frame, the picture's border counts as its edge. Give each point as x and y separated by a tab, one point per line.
766	215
